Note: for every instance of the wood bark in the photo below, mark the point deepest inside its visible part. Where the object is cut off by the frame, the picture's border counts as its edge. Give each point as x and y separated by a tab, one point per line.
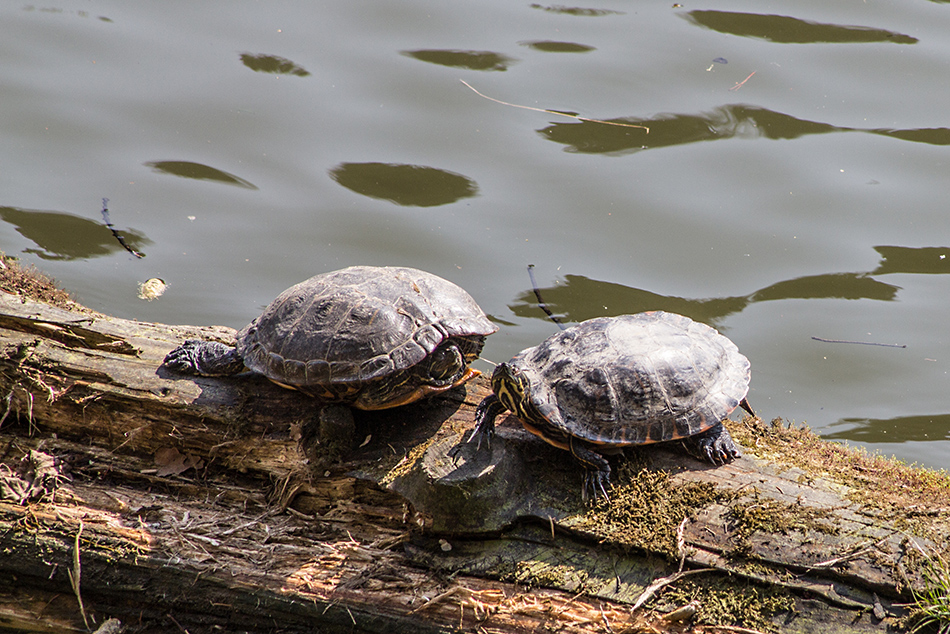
202	504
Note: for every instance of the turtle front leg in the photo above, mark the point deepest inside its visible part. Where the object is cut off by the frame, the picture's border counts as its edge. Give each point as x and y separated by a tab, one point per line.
598	471
204	358
485	415
714	445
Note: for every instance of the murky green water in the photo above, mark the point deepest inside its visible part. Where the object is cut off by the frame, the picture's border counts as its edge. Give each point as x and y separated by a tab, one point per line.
793	182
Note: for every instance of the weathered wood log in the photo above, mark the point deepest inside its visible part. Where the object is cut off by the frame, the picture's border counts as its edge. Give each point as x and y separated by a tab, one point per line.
202	503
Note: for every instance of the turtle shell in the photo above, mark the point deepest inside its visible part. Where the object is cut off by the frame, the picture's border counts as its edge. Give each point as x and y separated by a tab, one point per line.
359	325
633	379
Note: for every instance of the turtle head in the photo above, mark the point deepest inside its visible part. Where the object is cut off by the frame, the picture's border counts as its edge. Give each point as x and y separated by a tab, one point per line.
513	389
446	364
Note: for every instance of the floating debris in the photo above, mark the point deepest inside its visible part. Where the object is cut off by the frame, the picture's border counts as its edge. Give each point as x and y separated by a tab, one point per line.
741	83
861	343
562	114
118	236
152	289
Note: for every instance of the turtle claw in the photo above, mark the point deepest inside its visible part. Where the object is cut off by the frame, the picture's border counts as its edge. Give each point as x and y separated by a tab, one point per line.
485	415
714	446
594	488
481	434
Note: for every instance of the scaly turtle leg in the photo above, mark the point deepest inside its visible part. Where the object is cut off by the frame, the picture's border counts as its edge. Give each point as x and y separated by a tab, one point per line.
714	445
485	415
205	358
598	471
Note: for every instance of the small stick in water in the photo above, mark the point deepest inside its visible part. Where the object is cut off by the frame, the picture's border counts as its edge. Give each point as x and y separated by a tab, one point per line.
739	85
541	304
562	114
118	236
862	343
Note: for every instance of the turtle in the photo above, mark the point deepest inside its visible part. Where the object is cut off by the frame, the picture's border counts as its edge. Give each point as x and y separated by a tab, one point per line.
613	382
364	336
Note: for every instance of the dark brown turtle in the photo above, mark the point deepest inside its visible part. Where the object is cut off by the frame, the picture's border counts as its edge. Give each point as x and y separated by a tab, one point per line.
369	337
615	382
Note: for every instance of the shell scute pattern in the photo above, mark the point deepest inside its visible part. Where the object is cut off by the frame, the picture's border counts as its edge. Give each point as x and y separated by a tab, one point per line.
379	366
351	327
318	372
358	325
370	337
430	336
636	379
294	371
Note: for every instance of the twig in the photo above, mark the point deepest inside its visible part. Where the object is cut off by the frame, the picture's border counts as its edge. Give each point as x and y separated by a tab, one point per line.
541	304
739	85
662	582
861	343
235	529
853	554
603	617
732	628
442	597
178	624
682	613
562	114
118	236
29	412
6	410
75	574
569	603
681	542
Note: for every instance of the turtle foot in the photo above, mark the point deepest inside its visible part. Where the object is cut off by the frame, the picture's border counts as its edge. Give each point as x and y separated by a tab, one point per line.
485	415
595	485
715	446
597	477
480	434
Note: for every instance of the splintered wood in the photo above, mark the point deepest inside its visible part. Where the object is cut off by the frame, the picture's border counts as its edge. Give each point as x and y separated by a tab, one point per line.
191	503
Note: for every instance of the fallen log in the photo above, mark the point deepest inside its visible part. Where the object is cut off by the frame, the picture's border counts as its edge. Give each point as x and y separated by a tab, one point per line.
132	493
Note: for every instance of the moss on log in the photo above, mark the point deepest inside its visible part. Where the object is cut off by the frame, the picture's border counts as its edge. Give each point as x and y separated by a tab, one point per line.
199	503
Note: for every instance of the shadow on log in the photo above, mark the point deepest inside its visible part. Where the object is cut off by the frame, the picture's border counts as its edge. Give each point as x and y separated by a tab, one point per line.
197	504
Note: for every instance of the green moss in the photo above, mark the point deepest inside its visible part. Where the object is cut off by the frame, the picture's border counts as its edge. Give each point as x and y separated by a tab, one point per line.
646	509
875	481
911	498
729	602
407	464
775	517
543	574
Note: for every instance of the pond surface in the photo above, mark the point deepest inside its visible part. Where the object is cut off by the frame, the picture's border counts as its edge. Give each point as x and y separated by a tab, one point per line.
778	170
